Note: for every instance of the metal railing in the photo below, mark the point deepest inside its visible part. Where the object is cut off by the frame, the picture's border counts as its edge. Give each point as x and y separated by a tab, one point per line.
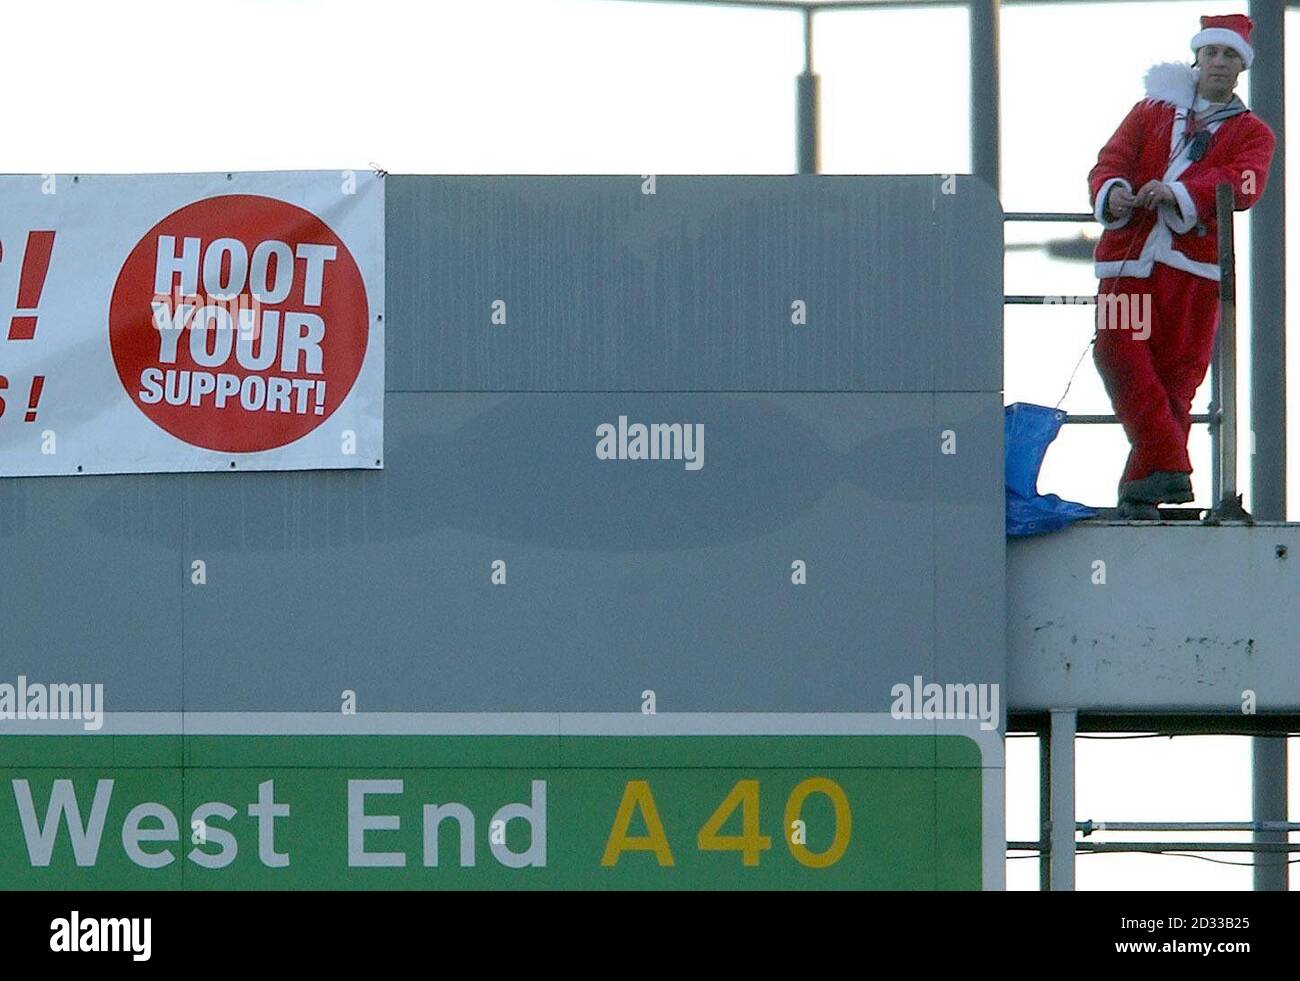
1087	828
1222	415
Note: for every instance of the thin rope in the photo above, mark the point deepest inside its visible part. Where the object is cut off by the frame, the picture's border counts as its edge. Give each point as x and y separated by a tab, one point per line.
1153	214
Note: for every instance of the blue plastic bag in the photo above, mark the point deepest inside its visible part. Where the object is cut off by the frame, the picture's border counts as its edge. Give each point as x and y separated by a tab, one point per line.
1029	431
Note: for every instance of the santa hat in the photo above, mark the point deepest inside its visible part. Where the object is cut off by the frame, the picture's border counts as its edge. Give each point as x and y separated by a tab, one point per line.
1231	31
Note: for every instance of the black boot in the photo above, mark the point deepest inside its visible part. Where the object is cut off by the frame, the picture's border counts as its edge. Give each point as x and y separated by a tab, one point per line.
1160	487
1137	511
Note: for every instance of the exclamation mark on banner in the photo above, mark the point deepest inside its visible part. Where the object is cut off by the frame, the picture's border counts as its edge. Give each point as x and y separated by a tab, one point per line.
320	398
38	383
31	281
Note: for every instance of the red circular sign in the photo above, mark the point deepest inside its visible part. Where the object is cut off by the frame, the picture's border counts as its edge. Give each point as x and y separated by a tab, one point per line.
239	323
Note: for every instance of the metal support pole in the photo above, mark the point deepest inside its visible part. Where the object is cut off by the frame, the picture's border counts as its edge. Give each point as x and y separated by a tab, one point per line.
1268	799
806	99
1225	353
985	96
1268	382
1268	273
1216	426
1216	491
1064	724
1044	810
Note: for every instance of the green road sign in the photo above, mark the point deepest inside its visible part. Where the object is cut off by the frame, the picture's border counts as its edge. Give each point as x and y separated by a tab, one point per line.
542	802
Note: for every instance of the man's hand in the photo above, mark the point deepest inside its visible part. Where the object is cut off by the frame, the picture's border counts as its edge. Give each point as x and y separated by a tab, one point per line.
1153	194
1119	202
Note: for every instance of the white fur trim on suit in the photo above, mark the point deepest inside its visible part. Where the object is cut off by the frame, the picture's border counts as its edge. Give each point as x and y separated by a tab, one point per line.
1186	220
1099	209
1158	248
1179	218
1226	38
1173	82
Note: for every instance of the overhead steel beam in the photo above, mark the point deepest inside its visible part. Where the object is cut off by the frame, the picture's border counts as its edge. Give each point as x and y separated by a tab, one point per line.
819	5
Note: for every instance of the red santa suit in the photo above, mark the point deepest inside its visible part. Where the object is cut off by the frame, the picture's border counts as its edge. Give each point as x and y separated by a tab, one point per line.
1170	255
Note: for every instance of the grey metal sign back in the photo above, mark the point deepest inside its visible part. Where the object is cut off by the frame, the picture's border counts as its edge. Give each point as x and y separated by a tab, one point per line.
738	441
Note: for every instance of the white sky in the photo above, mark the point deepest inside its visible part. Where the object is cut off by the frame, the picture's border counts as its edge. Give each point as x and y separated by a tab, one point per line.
605	86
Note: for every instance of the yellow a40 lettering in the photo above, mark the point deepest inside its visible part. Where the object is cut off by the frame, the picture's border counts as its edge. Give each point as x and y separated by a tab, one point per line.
637	796
843	822
744	796
749	842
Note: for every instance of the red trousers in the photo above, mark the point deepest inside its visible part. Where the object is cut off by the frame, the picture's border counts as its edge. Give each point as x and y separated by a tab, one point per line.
1155	339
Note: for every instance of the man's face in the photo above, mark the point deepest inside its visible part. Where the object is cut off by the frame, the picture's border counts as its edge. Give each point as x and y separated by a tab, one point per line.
1219	66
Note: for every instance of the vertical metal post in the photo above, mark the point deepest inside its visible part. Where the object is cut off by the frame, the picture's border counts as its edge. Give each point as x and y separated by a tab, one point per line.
1215	404
1044	810
985	94
1216	424
807	100
1268	803
1064	724
1268	273
1225	354
1268	383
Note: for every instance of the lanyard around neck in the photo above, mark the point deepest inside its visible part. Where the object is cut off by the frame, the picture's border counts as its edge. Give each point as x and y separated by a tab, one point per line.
1196	130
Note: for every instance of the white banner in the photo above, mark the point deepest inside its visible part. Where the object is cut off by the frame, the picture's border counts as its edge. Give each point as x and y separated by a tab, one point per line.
181	322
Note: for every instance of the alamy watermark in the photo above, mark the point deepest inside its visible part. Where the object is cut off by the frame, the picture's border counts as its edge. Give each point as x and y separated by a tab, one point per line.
53	701
655	441
922	700
1115	311
78	934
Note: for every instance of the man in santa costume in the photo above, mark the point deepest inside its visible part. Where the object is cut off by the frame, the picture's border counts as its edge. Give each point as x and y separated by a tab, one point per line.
1153	190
